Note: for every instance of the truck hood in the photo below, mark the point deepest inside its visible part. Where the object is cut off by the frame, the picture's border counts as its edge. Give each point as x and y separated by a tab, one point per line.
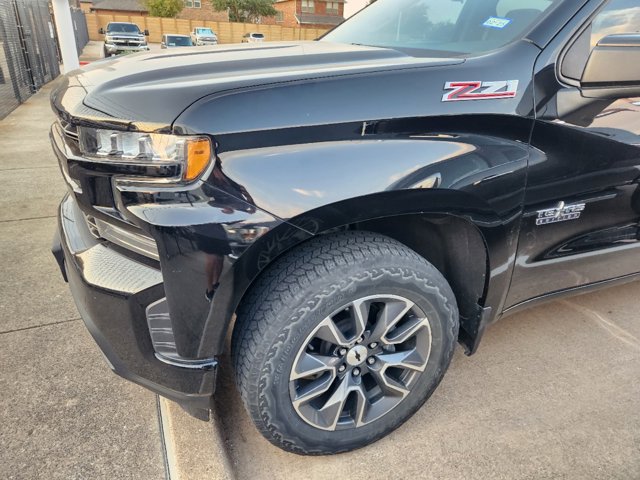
154	88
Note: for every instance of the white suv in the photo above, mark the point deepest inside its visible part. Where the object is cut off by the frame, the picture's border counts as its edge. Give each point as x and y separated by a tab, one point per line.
204	36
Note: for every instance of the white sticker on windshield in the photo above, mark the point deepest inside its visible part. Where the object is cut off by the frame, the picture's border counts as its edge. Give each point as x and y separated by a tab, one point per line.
497	22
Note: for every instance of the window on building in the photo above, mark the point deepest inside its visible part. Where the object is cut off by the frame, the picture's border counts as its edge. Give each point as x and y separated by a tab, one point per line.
280	17
193	3
333	8
308	6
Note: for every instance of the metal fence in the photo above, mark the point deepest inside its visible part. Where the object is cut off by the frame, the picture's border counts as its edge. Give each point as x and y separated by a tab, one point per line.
29	55
80	29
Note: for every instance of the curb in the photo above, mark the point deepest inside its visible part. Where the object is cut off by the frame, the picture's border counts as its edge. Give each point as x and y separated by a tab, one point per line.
193	449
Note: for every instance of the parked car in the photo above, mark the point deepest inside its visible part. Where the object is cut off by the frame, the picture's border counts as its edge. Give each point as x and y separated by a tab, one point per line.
253	37
348	209
204	36
174	40
122	37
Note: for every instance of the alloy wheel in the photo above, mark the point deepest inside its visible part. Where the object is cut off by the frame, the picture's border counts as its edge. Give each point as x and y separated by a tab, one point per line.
360	362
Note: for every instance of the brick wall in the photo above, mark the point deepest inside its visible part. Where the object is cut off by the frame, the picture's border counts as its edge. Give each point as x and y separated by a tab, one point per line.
119	13
289	9
321	8
205	12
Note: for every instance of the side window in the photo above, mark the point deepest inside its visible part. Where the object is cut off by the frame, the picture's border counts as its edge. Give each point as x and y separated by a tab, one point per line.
619	16
308	6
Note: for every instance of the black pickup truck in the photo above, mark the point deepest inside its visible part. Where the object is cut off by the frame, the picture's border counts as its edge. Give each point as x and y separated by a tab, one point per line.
348	209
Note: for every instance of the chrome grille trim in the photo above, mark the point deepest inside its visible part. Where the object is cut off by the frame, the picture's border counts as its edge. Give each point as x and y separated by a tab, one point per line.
163	340
136	242
69	130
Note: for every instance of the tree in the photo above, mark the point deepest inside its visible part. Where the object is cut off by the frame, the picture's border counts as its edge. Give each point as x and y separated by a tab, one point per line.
245	11
164	8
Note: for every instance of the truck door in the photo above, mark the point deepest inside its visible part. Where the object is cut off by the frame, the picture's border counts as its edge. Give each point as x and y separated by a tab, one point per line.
582	205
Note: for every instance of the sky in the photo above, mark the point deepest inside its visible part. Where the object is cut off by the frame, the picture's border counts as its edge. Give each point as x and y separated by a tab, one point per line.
352	6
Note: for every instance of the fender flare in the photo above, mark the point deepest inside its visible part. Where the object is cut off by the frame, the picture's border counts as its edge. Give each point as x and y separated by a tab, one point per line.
238	279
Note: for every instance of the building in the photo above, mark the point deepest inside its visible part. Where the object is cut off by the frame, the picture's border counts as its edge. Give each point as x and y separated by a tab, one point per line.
85	5
193	9
307	13
202	10
118	7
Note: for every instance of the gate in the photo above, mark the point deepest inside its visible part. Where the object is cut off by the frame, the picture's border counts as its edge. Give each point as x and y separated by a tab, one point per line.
28	51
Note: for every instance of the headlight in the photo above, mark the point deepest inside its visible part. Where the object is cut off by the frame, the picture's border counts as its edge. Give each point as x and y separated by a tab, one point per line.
191	154
108	39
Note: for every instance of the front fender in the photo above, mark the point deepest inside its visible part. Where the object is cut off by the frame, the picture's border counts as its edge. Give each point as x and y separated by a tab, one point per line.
290	180
318	187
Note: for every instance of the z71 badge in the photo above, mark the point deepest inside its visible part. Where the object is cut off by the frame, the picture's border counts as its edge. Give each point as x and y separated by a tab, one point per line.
480	90
561	213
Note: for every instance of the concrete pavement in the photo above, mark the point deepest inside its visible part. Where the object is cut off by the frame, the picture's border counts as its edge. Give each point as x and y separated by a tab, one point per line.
553	393
62	413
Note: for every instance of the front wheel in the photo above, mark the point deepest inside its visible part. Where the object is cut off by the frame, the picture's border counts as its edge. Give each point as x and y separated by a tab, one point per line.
341	341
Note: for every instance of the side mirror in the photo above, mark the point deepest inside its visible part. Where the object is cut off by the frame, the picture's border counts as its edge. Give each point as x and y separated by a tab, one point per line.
101	31
613	70
146	33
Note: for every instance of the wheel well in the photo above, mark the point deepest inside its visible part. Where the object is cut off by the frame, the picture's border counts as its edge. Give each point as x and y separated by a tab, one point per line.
451	244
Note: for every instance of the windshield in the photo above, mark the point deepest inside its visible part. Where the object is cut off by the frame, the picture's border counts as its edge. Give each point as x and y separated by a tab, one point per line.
122	28
257	35
204	31
175	41
461	27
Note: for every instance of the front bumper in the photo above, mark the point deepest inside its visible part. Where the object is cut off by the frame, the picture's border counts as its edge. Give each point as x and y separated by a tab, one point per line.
112	48
112	292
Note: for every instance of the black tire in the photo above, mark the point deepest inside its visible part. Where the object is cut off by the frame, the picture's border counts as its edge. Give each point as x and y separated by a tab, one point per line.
298	292
106	54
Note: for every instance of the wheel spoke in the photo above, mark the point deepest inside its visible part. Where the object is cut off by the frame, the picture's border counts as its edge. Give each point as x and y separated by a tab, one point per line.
410	359
360	310
313	390
329	332
388	385
309	364
333	407
391	313
406	331
361	405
